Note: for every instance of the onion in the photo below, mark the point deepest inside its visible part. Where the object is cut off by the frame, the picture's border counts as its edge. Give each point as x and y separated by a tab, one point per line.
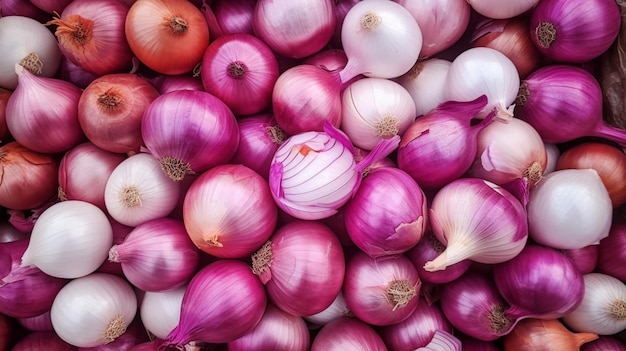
375	35
496	9
442	22
229	211
84	172
612	251
111	108
484	71
10	233
120	232
91	35
234	16
69	72
241	71
607	160
135	333
93	310
277	330
373	109
336	310
24	291
157	248
584	259
51	6
604	343
569	209
381	292
427	250
46	340
381	233
166	83
347	334
302	267
138	191
5	135
500	235
570	32
29	43
233	302
42	113
160	311
204	135
534	334
426	83
552	154
28	179
294	29
329	59
168	36
42	322
23	8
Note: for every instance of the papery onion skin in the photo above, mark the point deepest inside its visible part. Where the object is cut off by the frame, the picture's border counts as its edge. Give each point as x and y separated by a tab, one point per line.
234	301
380	233
28	179
169	36
241	71
534	334
607	160
302	267
229	211
111	108
612	252
347	334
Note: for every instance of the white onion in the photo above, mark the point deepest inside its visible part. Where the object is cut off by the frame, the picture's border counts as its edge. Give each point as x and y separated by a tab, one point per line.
160	311
25	41
138	191
93	310
426	83
69	240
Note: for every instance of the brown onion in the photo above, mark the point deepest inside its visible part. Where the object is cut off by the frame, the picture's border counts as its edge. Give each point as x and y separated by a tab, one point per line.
549	334
607	160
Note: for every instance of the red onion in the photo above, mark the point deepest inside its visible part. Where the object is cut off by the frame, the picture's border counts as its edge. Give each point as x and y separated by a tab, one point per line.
381	292
24	221
330	59
380	233
442	22
7	334
569	31
204	135
426	84
473	305
497	9
84	172
229	211
417	330
259	138
294	29
157	255
111	108
341	10
440	146
42	113
45	340
241	71
604	343
563	103
41	322
347	334
427	250
584	259
472	344
24	9
10	233
381	39
153	345
234	16
69	72
51	6
91	35
507	151
233	302
305	97
302	267
277	330
337	309
612	251
24	291
569	209
540	282
166	83
498	236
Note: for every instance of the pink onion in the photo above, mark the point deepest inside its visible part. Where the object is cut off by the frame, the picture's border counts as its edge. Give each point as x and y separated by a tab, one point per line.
277	330
612	251
241	71
347	334
440	146
381	292
51	6
84	172
305	97
259	138
229	211
584	259
417	330
42	322
604	343
165	83
540	282
294	29
24	291
69	72
234	16
427	250
569	31
233	302
381	233
302	267
157	248
204	135
563	103
24	9
499	10
330	59
498	236
42	113
45	340
442	22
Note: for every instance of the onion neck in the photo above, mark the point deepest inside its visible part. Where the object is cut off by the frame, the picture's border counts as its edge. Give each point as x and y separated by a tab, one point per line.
114	254
499	323
75	30
276	134
618	310
546	34
32	63
61	195
400	293
115	328
175	168
534	173
213	240
262	262
522	94
610	133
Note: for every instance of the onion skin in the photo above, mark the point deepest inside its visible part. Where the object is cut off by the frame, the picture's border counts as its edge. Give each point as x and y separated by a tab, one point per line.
612	251
534	334
347	334
4	130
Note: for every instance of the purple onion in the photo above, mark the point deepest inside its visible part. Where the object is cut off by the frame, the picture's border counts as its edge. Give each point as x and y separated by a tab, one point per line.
427	250
347	334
